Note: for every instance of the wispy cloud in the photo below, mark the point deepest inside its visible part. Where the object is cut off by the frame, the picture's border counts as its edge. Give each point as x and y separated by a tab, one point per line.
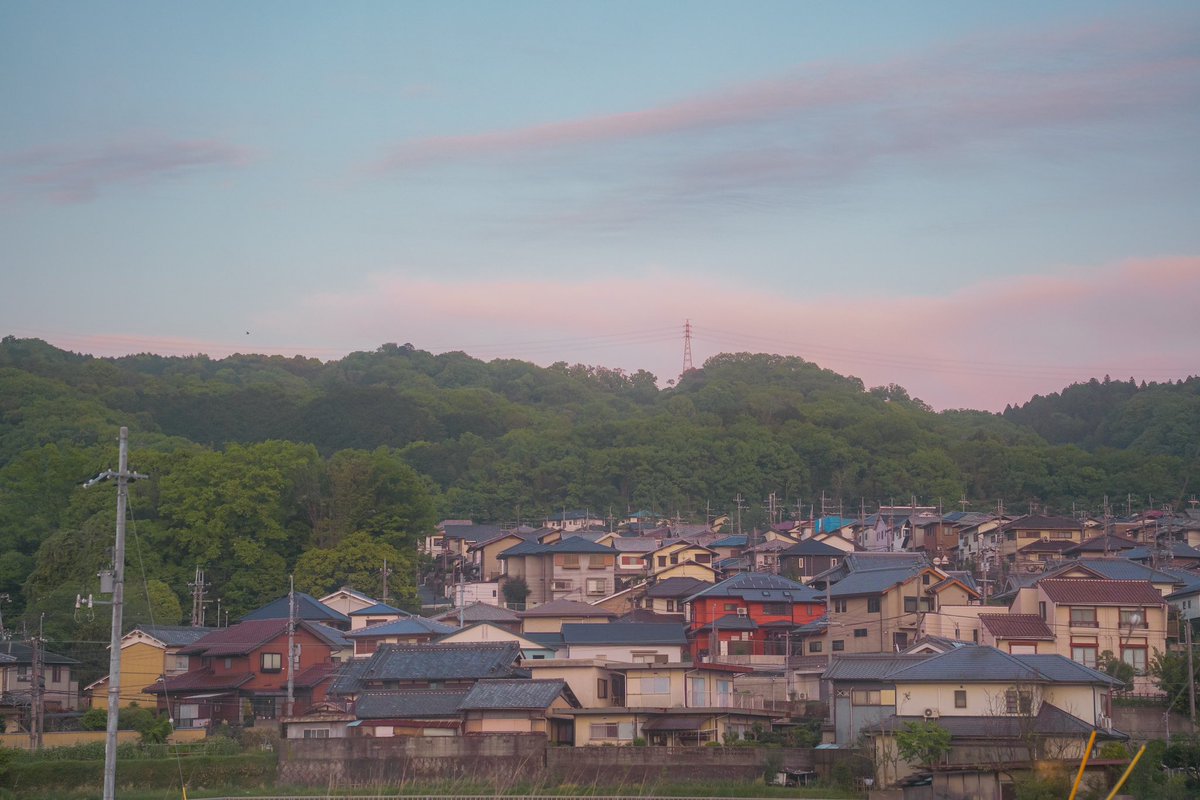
831	121
76	174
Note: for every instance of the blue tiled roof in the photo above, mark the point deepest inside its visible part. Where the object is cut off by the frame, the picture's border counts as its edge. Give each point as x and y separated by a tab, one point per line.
967	664
736	540
584	633
307	607
407	626
871	581
378	609
571	544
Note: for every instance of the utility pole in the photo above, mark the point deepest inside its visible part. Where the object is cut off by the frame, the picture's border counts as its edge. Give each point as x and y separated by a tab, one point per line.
198	602
291	653
36	692
123	476
1191	673
385	581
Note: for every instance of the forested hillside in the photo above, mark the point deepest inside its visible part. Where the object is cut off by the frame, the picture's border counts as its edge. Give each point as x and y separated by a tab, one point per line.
266	465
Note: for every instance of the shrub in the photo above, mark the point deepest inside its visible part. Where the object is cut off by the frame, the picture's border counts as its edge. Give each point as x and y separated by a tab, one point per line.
94	719
639	742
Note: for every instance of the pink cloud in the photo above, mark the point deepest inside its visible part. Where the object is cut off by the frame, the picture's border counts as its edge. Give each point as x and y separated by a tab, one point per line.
977	89
78	174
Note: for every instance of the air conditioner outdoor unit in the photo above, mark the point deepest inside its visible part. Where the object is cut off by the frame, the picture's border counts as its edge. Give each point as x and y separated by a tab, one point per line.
931	713
742	612
1105	722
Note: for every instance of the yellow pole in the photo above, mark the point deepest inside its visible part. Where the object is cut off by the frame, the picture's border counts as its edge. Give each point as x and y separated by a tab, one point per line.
1083	764
1125	777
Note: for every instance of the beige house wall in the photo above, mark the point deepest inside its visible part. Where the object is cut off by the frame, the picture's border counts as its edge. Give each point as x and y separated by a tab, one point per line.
583	677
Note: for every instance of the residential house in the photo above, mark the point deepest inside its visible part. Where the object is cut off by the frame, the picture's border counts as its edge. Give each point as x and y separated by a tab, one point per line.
1009	538
550	617
765	555
346	600
809	558
405	667
576	520
406	630
1017	634
571	568
730	546
375	614
147	653
245	666
481	612
1186	599
1090	617
485	554
891	528
625	641
858	693
750	614
877	600
631	562
303	607
531	649
669	596
1003	712
678	551
61	686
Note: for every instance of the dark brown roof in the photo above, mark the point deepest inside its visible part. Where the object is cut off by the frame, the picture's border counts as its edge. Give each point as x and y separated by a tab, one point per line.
567	608
1100	592
199	682
1016	626
1038	522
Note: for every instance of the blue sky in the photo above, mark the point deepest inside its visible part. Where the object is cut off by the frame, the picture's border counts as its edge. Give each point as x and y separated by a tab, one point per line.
976	201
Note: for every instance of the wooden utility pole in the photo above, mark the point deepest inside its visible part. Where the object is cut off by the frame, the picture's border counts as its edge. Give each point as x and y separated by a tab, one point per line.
1191	673
36	692
291	648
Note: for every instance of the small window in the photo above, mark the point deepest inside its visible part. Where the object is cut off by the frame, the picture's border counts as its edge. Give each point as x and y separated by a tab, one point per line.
1018	702
873	605
910	605
925	579
322	733
839	645
814	646
56	674
960	698
839	606
601	688
775	609
1042	609
860	633
229	663
272	662
1083	617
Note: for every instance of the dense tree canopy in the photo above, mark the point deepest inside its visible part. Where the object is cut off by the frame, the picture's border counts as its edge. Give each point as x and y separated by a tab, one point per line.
263	466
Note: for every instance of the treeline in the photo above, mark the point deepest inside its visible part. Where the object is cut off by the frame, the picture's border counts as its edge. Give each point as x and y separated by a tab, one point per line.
263	466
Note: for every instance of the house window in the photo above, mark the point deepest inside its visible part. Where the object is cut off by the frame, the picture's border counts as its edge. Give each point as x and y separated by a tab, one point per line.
839	645
597	586
655	685
910	605
570	561
925	579
960	698
1083	617
814	646
56	674
1136	658
839	606
1061	535
1042	609
1018	702
601	688
860	633
703	558
272	662
229	663
1084	654
611	730
22	673
864	697
775	609
320	733
662	561
597	561
873	605
1133	618
731	606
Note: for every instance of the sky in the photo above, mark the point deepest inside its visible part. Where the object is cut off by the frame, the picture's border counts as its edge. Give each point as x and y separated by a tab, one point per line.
977	201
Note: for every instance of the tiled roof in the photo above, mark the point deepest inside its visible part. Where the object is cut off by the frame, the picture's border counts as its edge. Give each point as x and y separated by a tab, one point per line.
732	622
472	533
480	612
869	666
1039	522
199	682
1016	626
348	676
175	635
413	703
1104	544
736	540
577	543
677	587
237	639
1100	592
307	607
408	626
516	694
587	633
872	581
872	561
763	588
567	608
379	609
812	547
23	654
1177	550
1062	669
634	544
974	664
315	674
474	660
1117	569
1050	721
1047	546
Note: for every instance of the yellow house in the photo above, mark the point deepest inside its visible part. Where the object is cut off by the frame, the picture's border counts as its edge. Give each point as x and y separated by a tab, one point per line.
148	652
679	552
687	569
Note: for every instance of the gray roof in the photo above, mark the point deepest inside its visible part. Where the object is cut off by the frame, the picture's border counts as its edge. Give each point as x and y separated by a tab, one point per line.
407	626
409	704
23	654
348	677
513	694
174	635
763	588
586	633
732	622
307	607
812	547
567	608
677	587
869	666
973	664
1117	569
1050	721
395	662
481	612
379	609
872	581
1061	669
574	543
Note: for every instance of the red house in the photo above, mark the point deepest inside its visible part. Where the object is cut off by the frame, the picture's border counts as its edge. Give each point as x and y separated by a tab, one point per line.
752	614
240	673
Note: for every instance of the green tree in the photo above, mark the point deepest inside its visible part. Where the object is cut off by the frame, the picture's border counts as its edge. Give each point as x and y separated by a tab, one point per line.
923	742
357	561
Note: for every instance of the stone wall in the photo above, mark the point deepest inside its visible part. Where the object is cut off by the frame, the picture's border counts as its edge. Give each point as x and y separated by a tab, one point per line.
505	760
